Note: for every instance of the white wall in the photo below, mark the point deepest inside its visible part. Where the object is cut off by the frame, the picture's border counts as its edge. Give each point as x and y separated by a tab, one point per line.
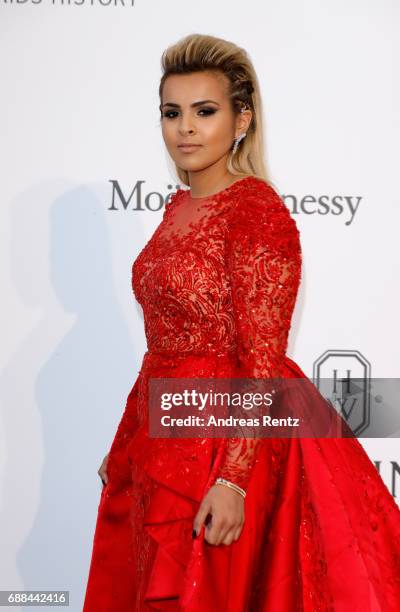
78	109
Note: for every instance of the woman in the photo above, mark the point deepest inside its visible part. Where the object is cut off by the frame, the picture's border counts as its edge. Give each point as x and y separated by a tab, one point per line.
202	524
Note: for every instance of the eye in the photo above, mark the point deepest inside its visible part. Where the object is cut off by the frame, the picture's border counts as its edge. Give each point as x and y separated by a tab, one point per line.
168	114
208	111
172	114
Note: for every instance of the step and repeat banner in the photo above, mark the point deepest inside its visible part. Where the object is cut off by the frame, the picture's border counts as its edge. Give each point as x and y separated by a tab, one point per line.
85	177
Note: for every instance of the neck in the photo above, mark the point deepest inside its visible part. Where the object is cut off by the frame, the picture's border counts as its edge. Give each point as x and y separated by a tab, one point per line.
210	180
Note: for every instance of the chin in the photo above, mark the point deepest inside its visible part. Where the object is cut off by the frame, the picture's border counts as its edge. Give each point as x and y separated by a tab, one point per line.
192	167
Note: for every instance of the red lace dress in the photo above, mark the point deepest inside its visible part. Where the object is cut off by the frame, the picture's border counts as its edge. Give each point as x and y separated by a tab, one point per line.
218	282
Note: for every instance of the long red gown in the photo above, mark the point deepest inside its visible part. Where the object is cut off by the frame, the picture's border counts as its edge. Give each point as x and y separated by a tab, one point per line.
218	282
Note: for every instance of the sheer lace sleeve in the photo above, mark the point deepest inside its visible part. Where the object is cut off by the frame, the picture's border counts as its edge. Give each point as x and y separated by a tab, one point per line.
263	262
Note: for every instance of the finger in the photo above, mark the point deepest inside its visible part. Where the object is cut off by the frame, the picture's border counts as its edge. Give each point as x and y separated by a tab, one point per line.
228	538
226	534
199	519
213	531
237	532
103	476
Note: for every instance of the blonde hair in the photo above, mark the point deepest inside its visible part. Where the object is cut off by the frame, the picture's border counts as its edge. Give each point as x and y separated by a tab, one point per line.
198	53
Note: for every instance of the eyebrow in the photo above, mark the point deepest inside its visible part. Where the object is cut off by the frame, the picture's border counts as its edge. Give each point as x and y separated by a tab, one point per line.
199	103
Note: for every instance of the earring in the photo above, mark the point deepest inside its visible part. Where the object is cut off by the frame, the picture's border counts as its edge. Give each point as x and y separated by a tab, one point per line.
236	142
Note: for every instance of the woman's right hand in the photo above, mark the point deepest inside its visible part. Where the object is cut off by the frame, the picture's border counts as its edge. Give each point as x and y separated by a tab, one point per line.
102	471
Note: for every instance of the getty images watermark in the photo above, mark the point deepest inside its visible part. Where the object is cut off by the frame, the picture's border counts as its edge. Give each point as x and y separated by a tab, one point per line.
262	408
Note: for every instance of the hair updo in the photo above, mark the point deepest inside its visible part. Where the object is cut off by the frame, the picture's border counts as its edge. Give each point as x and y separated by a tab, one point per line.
198	53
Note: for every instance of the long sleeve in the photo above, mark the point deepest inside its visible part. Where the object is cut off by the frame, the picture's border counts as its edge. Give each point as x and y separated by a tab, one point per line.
263	263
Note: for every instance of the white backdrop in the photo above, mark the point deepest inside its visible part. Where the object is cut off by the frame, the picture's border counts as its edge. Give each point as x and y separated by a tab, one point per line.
79	109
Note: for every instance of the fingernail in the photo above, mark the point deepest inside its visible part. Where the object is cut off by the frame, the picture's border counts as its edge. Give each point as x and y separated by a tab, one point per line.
194	534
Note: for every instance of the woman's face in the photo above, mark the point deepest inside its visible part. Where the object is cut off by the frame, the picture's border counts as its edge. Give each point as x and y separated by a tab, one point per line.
196	109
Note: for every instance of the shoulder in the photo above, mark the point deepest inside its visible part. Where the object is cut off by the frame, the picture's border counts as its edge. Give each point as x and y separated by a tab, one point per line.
172	200
256	200
260	212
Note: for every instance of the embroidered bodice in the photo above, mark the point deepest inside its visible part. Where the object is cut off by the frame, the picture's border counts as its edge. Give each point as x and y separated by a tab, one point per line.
221	273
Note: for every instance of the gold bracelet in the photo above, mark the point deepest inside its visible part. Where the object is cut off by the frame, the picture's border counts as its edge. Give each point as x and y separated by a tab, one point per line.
232	485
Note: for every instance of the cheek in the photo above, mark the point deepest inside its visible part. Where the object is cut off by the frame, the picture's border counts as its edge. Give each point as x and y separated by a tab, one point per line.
217	134
167	131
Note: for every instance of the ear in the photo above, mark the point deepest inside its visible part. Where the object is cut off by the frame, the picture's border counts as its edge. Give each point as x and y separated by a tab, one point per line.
243	121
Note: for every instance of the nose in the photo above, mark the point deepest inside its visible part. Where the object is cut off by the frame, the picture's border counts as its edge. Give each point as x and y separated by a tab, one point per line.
186	125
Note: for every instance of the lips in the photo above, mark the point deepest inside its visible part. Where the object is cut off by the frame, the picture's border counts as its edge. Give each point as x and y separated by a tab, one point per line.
188	147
